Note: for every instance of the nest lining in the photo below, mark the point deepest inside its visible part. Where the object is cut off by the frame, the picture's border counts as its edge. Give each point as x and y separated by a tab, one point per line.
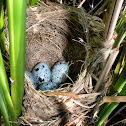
55	33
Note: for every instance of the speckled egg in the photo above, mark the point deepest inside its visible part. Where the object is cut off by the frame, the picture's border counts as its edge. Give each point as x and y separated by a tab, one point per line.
41	73
59	72
47	86
31	77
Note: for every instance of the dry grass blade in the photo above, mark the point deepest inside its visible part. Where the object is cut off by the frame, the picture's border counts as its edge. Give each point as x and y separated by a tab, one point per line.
72	95
95	7
81	3
106	70
114	99
112	19
119	122
122	108
100	10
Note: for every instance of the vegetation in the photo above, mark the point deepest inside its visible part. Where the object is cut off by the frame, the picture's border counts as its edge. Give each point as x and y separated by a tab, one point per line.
11	94
12	99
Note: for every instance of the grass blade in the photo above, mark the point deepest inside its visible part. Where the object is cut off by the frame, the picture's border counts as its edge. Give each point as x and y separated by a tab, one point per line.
120	82
116	76
16	10
120	65
2	46
3	107
5	88
120	22
121	36
33	2
109	107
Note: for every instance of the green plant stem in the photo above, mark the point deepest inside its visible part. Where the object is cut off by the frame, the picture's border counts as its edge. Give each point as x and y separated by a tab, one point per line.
120	22
110	25
33	2
108	111
105	111
3	107
16	10
5	88
110	108
118	83
120	64
121	36
2	46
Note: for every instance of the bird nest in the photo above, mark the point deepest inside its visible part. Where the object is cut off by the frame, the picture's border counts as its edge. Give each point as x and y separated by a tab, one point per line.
55	33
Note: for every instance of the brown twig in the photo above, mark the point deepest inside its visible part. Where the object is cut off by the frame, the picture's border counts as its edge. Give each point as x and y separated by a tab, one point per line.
81	3
95	7
112	19
119	122
72	95
101	8
106	69
110	26
114	99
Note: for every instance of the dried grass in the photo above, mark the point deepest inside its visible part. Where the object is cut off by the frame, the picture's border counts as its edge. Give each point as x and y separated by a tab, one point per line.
56	33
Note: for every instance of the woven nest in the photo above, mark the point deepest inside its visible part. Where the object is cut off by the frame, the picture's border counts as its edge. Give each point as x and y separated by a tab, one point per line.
55	33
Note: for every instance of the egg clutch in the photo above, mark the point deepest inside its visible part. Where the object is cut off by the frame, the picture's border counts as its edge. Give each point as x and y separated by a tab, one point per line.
44	79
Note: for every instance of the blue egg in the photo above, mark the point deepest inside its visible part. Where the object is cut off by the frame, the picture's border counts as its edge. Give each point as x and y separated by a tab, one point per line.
41	73
59	72
47	86
31	77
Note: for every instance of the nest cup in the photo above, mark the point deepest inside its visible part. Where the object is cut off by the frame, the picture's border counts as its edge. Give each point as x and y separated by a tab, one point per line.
55	33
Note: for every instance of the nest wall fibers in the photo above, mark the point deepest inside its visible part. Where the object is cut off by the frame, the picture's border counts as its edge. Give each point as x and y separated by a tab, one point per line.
55	33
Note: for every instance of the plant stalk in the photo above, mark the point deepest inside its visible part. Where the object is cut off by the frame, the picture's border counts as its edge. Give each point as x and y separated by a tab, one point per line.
112	19
120	22
5	88
16	10
111	59
109	107
113	99
2	46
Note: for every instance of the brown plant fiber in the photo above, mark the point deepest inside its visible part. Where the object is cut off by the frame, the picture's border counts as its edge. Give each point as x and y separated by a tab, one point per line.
55	33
